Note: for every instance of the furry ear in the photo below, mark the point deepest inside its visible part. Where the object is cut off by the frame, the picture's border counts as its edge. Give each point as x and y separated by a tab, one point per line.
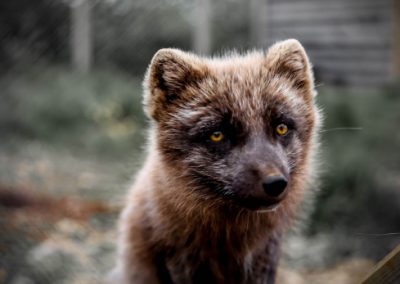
289	59
170	72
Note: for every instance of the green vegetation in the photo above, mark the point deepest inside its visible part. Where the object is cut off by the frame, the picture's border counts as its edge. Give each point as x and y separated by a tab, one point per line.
96	113
360	170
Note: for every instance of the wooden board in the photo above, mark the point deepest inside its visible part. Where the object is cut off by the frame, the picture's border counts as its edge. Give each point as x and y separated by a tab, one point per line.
349	42
387	270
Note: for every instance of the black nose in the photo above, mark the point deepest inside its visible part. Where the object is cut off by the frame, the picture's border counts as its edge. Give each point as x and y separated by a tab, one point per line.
274	185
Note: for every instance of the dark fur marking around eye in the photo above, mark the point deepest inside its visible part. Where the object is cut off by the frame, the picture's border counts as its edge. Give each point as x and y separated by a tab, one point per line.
231	128
289	122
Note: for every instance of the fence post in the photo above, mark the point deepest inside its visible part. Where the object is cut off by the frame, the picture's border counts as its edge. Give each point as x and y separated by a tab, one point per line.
258	22
202	27
396	37
81	46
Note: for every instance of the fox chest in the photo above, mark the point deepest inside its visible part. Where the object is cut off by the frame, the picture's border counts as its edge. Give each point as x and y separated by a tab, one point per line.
218	267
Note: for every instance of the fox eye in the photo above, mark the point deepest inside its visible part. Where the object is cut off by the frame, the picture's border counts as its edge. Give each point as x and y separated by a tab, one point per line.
281	129
217	136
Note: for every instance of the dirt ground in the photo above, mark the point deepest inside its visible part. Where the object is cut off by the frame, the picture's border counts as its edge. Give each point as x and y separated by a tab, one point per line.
58	223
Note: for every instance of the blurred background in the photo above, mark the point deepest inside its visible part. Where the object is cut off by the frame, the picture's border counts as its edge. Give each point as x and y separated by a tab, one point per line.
72	129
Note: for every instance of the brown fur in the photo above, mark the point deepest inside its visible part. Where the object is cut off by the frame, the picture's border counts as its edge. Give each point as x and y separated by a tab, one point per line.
193	215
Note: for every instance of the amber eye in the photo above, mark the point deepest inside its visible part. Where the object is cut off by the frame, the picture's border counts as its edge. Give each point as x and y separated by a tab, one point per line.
217	136
281	129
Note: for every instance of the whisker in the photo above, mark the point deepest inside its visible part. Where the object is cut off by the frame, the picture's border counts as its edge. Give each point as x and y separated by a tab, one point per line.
341	128
378	235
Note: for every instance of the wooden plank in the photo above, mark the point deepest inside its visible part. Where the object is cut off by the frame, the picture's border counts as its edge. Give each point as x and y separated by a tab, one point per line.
345	31
300	5
313	44
331	41
354	66
372	54
327	18
355	74
387	271
316	5
322	12
351	79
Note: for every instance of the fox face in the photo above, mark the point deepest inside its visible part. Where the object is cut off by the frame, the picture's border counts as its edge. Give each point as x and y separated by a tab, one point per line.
238	130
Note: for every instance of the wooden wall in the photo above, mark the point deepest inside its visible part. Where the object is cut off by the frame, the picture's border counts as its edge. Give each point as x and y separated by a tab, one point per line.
349	41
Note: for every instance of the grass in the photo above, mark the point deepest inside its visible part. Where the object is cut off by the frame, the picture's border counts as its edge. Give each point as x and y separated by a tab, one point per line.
71	134
96	113
361	165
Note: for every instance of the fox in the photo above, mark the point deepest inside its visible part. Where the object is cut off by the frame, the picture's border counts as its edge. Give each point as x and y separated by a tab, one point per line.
231	155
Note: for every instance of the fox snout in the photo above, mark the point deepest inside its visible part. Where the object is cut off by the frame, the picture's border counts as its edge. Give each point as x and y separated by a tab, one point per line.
262	192
264	179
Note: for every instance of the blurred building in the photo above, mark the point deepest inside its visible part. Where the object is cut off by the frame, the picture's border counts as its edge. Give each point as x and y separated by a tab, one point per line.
351	43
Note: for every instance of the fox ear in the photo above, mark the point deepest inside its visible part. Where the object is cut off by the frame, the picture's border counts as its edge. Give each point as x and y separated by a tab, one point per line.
289	59
170	72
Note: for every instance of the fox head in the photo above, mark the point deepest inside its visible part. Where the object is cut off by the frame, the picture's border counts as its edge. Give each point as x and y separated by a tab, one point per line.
240	129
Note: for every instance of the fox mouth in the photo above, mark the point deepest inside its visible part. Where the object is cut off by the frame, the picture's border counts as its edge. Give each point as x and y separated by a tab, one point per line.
257	204
264	195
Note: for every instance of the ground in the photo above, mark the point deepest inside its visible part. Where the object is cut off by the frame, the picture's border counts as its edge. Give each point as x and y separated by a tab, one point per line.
58	222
